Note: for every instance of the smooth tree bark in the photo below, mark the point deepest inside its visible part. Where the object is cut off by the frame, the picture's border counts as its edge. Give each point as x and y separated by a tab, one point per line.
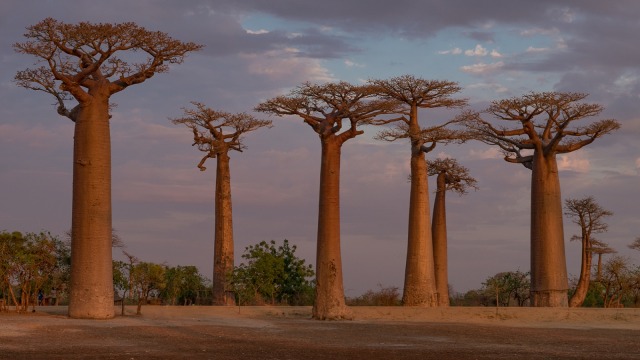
83	62
450	176
589	215
326	108
539	131
216	133
601	250
416	93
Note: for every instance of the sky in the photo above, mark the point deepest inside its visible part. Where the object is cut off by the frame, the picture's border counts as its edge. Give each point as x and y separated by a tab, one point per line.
254	50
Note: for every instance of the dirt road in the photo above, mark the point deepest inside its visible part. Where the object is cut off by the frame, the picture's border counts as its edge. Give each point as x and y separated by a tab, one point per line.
288	333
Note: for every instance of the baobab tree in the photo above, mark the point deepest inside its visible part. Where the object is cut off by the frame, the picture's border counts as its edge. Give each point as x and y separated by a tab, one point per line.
589	215
84	62
450	176
635	245
417	93
326	108
216	133
600	249
539	129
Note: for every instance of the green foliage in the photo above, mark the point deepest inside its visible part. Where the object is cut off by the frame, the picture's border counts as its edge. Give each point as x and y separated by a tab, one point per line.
184	286
507	287
30	263
272	274
385	296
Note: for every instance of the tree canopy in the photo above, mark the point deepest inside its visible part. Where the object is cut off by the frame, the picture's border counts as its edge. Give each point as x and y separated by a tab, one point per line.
79	57
274	274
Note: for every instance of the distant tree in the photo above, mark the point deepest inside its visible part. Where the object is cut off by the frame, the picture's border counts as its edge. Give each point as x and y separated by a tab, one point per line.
414	94
325	108
600	249
82	62
272	273
384	296
450	177
589	215
28	263
148	280
216	133
635	245
507	286
616	281
540	130
184	284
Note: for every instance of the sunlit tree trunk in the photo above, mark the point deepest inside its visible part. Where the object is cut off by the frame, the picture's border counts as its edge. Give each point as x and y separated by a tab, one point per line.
419	280
223	247
329	300
91	288
548	265
585	275
439	231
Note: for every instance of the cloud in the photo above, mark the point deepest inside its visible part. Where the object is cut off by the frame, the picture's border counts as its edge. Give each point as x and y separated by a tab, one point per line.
482	68
257	32
494	53
285	64
575	161
477	51
454	51
486	153
532	49
350	63
498	88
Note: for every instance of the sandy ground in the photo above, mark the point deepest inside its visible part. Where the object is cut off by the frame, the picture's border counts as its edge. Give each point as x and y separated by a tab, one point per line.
164	332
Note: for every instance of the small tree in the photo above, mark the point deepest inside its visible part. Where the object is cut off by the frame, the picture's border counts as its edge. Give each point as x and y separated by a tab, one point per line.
216	133
540	129
616	281
507	286
589	215
450	176
84	62
272	274
148	280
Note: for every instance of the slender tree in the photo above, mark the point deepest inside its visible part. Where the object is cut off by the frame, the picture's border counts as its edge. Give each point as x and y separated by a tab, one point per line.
600	249
415	93
450	176
82	62
216	133
326	108
539	131
589	215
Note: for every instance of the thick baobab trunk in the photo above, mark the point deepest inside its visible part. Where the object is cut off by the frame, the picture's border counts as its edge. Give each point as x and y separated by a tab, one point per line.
419	278
91	288
585	276
439	234
223	247
549	282
329	302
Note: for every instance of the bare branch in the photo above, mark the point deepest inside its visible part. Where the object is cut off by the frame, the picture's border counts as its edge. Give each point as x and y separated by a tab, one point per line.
457	177
217	132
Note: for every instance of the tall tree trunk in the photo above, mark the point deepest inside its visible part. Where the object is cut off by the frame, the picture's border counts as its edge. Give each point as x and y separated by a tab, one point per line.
549	282
439	231
329	301
419	278
91	288
585	275
599	272
223	247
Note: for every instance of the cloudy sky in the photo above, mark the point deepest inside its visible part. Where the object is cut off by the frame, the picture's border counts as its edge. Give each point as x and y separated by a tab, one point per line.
256	49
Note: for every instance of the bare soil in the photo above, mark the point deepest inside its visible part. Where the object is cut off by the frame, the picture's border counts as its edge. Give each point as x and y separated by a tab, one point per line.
165	332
